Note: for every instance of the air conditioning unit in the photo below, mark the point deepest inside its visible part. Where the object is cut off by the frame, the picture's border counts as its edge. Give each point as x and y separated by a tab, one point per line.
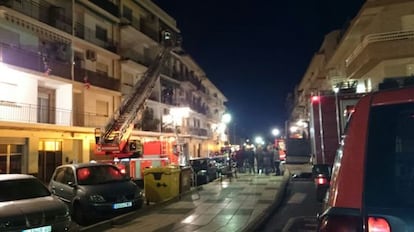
91	55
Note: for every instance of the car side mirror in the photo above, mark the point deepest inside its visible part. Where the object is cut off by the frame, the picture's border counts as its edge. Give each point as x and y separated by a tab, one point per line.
72	184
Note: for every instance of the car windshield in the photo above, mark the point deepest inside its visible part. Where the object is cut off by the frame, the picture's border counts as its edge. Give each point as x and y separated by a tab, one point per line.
98	175
389	178
20	189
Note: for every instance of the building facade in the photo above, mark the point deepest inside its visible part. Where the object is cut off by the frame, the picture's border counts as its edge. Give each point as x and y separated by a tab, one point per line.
67	65
376	45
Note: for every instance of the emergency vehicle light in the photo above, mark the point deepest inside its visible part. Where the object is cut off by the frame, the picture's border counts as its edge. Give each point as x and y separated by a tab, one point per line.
315	99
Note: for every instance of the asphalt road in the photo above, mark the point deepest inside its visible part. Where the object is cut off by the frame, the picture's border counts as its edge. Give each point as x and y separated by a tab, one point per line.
298	210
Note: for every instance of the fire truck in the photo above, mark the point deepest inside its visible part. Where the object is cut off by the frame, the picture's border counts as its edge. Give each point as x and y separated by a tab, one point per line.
114	138
329	112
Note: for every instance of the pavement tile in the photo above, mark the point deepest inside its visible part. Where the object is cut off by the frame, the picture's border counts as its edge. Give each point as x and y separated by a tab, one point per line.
224	206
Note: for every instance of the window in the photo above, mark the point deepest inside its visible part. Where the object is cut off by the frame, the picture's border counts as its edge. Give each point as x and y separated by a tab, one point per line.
390	157
127	13
98	175
102	108
128	79
101	33
11	156
22	189
102	68
8	91
60	175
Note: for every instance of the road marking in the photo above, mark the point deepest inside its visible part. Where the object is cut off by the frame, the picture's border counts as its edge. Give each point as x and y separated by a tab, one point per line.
297	198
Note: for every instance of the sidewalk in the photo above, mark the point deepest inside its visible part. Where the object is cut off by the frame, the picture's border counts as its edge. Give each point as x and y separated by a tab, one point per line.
236	205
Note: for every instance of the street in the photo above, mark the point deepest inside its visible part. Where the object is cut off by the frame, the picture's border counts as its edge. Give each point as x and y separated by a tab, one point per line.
298	210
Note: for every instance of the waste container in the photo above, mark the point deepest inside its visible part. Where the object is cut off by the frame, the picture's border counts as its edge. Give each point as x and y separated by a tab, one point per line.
161	183
186	179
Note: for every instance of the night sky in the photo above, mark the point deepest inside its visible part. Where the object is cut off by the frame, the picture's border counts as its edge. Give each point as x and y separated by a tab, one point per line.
257	51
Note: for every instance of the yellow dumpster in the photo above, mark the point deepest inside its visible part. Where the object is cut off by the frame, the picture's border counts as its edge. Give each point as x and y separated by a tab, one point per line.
161	183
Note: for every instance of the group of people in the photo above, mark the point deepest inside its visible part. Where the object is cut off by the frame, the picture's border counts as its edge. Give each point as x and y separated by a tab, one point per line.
262	160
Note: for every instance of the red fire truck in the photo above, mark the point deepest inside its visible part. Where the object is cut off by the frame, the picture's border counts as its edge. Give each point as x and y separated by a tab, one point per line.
329	113
113	139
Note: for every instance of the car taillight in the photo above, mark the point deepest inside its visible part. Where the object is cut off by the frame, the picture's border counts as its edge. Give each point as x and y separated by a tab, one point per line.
341	223
321	180
378	225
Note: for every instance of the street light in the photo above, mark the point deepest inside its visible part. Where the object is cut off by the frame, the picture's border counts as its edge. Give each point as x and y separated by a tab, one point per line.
275	132
259	140
226	118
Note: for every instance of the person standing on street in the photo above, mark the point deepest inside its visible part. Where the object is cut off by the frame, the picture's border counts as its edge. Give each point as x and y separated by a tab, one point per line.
276	160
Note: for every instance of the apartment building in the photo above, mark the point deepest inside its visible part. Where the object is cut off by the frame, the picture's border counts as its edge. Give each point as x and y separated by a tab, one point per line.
67	65
377	44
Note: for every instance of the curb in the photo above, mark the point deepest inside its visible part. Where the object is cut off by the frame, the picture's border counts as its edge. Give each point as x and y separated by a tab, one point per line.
107	224
255	224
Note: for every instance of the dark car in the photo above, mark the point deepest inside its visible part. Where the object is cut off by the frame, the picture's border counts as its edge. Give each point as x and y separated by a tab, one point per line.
95	190
27	205
372	181
322	176
205	169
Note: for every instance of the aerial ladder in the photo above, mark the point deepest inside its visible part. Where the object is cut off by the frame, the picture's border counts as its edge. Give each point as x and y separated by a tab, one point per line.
113	139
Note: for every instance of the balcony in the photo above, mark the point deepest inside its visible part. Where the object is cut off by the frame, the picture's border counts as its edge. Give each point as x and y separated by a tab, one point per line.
148	30
42	11
376	48
33	60
198	131
27	113
133	28
108	6
96	79
88	34
136	57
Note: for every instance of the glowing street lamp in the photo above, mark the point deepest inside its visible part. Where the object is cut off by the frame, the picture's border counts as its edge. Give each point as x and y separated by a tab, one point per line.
226	118
275	132
259	140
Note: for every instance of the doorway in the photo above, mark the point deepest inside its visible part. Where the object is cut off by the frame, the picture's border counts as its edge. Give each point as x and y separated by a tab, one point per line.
50	156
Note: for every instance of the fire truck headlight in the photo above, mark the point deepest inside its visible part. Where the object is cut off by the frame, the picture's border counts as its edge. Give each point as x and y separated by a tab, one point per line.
96	198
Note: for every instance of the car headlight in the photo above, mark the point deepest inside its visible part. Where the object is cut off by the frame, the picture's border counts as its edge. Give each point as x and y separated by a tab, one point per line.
139	193
96	198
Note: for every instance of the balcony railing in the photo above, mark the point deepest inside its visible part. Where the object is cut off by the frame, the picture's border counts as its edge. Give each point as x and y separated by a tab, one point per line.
198	131
379	37
107	6
42	11
148	30
97	79
141	59
88	34
33	60
27	113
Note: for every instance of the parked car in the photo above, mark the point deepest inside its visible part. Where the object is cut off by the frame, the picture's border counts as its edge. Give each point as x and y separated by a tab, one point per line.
372	180
205	169
322	176
95	190
27	205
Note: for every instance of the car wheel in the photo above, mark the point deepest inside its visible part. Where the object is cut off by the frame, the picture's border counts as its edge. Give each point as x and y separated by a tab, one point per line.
79	215
320	195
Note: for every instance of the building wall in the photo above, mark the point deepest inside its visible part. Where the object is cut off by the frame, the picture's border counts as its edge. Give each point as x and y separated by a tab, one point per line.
80	108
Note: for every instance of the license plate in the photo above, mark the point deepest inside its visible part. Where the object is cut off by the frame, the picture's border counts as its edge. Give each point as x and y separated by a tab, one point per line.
122	205
39	229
